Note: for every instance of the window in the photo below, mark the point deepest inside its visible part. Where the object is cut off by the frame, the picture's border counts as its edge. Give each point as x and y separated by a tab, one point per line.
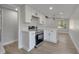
61	24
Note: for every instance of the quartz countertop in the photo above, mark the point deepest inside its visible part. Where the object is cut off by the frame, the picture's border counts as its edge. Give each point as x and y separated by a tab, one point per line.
45	28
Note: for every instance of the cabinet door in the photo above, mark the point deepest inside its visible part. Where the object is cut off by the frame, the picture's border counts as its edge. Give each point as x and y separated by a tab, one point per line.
25	40
32	40
47	36
34	12
53	37
42	19
28	14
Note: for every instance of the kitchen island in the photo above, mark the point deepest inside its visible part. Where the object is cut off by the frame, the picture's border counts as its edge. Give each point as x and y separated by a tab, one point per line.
28	40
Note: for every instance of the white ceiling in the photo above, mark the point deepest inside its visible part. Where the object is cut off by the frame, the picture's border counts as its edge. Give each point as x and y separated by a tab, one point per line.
67	9
10	6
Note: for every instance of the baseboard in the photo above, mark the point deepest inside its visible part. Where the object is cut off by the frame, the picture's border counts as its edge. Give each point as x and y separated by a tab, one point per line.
2	50
74	43
9	42
63	32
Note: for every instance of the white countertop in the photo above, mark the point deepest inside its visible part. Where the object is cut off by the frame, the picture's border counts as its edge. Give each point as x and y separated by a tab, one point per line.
26	30
44	29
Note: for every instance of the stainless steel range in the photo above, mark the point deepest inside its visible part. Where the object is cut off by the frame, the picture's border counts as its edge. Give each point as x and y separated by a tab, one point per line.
39	37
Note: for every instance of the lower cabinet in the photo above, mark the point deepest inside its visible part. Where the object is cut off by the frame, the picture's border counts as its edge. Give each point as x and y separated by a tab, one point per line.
28	40
50	36
53	36
46	35
32	40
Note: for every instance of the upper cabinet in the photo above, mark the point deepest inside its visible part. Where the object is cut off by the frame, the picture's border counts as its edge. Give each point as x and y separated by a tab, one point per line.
35	13
42	19
28	14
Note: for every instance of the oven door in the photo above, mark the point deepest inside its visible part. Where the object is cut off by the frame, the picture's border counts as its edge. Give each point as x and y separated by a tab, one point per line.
39	38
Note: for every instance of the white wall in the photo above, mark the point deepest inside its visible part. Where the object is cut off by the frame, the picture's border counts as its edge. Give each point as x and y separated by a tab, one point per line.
74	28
51	23
10	27
0	25
0	20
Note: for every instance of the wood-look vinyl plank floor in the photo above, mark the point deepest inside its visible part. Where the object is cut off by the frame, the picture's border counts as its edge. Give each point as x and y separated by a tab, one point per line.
64	46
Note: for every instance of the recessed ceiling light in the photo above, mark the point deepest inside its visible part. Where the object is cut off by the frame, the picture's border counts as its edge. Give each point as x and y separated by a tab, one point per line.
16	9
50	8
61	13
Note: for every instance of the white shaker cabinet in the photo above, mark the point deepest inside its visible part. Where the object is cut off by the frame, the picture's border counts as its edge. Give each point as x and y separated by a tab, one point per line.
32	40
28	14
41	22
50	36
46	35
53	36
42	18
28	40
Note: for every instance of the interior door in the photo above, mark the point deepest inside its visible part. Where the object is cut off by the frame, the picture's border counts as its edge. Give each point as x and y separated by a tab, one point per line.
10	27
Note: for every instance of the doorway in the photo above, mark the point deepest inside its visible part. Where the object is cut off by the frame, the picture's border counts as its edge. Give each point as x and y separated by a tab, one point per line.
9	27
1	46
